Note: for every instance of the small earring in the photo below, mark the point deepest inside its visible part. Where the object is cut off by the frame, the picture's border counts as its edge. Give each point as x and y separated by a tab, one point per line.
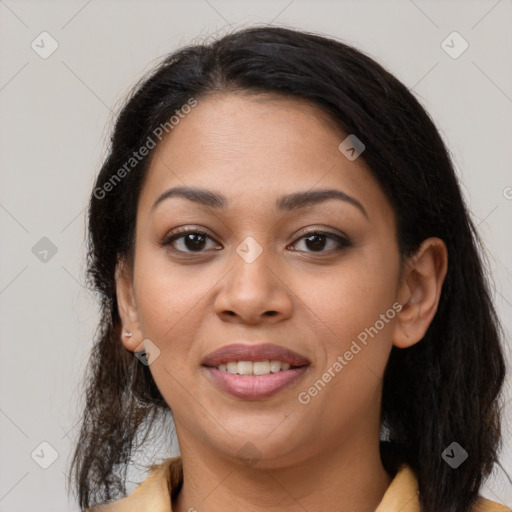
127	334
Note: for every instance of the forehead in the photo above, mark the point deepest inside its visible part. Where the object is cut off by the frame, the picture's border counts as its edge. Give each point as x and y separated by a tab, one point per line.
255	147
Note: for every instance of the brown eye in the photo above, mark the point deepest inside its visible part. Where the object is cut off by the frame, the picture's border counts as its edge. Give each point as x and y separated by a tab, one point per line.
317	241
189	241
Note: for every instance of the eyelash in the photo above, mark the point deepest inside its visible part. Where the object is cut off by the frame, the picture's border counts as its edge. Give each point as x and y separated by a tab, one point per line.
341	241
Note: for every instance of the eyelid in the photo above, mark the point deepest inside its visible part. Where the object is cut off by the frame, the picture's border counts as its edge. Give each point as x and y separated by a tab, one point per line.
174	235
320	230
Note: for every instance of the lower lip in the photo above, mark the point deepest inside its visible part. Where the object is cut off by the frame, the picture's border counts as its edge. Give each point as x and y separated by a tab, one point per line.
251	387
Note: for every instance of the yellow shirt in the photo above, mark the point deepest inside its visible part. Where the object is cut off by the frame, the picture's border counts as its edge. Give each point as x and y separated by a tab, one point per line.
165	480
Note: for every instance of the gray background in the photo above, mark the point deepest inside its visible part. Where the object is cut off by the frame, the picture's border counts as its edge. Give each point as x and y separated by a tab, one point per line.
56	116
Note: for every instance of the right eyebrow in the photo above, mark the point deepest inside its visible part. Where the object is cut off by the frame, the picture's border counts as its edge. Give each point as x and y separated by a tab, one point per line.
198	195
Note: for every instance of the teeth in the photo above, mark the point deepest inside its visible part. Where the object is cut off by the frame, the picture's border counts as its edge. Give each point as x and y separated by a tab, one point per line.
261	367
275	366
232	367
245	367
253	368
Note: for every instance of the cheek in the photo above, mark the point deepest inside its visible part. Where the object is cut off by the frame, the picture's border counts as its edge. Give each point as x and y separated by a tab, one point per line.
355	309
170	314
168	297
352	297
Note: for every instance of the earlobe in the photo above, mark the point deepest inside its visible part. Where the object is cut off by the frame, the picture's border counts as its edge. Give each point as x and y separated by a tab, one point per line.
420	291
130	329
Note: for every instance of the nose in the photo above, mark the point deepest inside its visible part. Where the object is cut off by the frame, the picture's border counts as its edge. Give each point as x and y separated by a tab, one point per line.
253	292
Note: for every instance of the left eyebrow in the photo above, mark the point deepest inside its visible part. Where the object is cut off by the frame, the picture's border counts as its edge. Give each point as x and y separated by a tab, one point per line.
311	197
288	202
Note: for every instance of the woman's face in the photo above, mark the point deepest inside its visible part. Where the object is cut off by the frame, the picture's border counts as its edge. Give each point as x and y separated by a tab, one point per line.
261	276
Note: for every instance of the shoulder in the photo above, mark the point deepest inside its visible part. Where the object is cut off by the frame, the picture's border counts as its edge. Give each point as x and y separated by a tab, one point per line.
485	505
403	495
153	494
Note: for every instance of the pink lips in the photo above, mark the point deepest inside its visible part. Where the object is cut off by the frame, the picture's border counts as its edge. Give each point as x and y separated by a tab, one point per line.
254	387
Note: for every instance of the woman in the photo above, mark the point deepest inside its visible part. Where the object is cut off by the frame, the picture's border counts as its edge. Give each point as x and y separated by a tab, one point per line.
279	238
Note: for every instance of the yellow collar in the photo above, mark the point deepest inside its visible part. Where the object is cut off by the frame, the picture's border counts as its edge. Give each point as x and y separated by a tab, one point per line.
165	480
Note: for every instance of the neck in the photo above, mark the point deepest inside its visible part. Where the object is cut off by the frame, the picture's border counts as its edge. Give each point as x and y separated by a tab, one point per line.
350	477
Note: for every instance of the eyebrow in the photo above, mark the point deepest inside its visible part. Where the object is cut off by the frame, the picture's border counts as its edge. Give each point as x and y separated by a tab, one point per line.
287	203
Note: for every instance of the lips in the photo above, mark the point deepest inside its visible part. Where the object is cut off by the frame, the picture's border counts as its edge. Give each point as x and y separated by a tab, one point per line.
255	387
245	352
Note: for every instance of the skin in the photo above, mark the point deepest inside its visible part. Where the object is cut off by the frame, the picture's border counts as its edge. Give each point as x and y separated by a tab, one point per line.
254	149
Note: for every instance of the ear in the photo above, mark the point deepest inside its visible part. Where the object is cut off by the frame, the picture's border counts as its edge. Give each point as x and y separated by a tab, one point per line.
127	307
419	292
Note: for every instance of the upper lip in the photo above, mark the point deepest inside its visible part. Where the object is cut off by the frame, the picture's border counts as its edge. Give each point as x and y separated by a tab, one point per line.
245	352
